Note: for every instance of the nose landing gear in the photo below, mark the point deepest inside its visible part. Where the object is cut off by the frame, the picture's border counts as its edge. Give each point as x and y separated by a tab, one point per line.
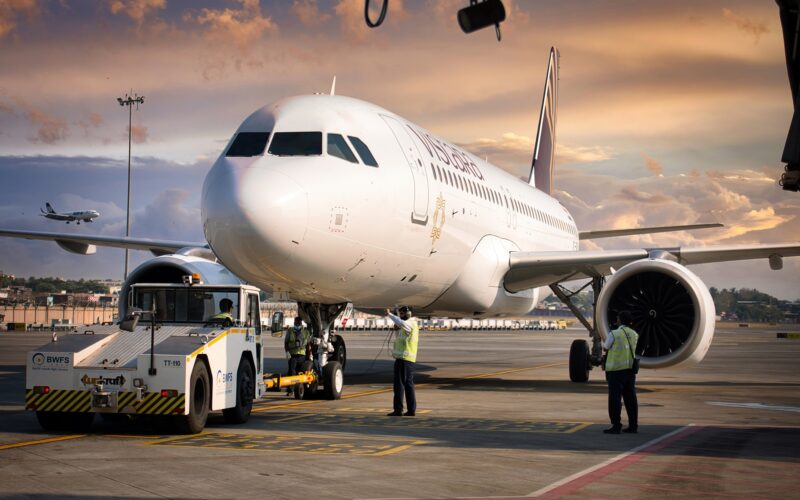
329	351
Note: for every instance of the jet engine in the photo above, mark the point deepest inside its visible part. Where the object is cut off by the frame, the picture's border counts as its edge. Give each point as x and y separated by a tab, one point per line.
172	268
671	307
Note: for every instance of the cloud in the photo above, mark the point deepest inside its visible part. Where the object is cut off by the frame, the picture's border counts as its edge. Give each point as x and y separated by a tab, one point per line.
582	154
52	129
137	10
512	150
351	17
653	165
755	220
749	26
91	121
139	134
10	10
241	27
632	194
307	12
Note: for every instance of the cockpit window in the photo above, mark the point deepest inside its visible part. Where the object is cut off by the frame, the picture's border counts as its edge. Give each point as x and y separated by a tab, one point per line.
338	147
248	144
296	144
363	151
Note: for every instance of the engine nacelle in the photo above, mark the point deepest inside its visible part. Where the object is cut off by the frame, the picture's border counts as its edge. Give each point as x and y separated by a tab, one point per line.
172	268
672	310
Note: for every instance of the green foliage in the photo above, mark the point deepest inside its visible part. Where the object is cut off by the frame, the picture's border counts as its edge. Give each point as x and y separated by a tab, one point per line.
745	304
54	285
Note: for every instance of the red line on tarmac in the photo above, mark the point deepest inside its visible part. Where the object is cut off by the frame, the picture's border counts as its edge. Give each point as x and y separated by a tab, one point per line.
573	483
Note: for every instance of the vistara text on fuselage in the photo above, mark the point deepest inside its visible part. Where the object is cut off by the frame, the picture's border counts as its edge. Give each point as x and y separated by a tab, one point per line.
396	212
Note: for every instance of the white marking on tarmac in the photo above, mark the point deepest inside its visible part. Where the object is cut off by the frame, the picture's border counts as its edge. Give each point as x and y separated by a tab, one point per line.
608	462
756	406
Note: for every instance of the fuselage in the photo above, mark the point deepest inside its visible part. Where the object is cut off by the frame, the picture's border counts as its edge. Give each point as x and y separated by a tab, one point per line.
427	225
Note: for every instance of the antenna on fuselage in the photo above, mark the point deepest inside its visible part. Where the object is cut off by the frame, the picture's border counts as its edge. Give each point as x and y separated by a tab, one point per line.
333	86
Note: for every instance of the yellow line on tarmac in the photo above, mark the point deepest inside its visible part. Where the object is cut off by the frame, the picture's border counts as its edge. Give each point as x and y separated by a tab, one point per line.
40	441
383	391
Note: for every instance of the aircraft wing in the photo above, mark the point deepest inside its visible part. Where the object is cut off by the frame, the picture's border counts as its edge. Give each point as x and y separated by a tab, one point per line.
534	269
610	233
54	216
86	244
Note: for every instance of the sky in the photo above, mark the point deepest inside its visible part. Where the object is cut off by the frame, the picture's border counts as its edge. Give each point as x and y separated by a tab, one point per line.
669	112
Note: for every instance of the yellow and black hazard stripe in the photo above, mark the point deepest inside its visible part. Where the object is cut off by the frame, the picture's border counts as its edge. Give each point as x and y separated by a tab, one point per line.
81	401
59	400
155	404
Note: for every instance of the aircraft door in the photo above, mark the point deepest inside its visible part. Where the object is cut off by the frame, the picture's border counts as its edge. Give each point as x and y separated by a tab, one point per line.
419	213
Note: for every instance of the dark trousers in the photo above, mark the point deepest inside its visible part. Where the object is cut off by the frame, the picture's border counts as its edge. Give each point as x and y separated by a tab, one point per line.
622	385
404	384
294	364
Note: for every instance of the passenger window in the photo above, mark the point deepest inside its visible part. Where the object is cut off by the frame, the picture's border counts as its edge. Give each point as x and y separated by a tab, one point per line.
363	151
248	144
296	144
338	147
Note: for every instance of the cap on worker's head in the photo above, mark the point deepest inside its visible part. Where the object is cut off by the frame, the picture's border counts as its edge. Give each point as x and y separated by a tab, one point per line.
404	309
298	320
624	317
225	304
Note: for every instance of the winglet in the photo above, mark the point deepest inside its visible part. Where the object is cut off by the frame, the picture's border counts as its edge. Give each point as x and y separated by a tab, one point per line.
541	175
333	86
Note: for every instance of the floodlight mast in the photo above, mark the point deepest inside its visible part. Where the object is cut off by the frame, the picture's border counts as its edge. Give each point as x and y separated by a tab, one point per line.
129	101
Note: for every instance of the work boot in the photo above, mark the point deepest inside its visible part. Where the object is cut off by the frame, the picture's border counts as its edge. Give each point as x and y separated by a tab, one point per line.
630	430
408	414
612	430
395	414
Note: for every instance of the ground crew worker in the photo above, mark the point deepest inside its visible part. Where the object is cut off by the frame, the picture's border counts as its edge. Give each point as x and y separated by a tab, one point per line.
225	308
405	361
621	346
295	343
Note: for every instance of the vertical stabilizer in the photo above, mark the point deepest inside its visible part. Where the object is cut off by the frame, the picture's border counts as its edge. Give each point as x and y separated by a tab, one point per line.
49	208
544	150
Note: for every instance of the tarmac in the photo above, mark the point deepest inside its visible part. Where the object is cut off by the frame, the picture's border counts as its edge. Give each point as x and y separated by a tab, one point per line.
497	418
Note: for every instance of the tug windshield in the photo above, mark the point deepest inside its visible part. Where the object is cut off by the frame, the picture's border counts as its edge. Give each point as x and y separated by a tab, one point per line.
186	305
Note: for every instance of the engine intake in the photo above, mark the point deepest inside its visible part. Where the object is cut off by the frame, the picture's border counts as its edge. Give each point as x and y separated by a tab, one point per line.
672	311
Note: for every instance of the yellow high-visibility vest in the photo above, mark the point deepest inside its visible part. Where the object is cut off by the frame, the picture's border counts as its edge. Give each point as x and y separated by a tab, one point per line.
405	345
296	341
620	356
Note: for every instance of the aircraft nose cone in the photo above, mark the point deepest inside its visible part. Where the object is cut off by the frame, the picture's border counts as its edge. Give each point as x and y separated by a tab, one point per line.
254	217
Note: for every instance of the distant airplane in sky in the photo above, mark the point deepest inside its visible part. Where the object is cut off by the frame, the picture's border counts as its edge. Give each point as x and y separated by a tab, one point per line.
77	217
329	200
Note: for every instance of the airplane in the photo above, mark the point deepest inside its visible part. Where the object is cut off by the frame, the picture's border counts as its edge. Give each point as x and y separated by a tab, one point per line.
77	217
329	200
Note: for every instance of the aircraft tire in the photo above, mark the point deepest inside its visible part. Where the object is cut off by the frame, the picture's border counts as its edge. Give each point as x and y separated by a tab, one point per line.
579	361
334	380
340	351
199	399
240	413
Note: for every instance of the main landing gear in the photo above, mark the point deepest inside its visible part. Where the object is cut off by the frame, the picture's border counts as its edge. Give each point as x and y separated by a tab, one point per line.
582	358
329	351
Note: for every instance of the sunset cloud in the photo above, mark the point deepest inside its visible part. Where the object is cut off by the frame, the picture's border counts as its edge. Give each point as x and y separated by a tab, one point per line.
139	134
241	27
653	165
136	9
754	28
12	10
307	12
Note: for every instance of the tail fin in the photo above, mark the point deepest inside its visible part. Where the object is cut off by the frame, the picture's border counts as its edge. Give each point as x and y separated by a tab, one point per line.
544	151
49	208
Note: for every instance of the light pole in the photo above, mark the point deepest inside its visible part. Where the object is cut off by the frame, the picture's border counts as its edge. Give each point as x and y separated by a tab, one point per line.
129	101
